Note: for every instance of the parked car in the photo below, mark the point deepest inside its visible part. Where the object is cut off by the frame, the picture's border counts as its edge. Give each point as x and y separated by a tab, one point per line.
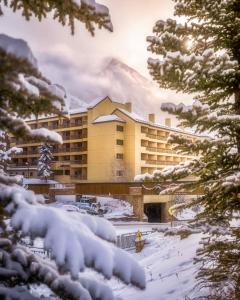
73	208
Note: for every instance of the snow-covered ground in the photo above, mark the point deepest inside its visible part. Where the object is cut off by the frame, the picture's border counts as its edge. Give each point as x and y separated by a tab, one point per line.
170	272
167	260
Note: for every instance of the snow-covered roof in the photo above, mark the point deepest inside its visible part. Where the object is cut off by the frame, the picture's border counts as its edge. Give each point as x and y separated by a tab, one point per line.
108	118
96	101
78	110
140	119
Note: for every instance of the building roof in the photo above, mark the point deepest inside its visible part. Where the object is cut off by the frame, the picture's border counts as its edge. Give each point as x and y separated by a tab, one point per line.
96	101
78	110
141	120
108	118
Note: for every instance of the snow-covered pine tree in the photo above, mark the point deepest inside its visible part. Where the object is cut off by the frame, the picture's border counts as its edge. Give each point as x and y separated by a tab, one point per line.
202	57
44	161
6	152
76	242
89	12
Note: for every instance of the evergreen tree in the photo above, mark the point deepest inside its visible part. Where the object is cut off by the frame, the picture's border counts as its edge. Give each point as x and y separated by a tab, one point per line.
202	57
88	12
75	242
44	169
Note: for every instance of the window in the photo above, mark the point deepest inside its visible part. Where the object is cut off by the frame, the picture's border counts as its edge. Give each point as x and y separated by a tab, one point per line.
54	124
119	155
66	123
119	128
119	142
119	173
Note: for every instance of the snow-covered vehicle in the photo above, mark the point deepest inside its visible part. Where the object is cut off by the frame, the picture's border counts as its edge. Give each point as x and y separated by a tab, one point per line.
90	205
73	208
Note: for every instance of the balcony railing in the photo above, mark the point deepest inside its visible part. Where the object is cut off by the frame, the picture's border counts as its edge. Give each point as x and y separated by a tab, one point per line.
80	123
161	162
79	162
78	149
160	150
154	136
66	137
79	177
23	165
78	136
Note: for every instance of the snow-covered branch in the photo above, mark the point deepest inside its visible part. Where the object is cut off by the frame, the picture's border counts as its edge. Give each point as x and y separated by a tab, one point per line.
18	127
83	240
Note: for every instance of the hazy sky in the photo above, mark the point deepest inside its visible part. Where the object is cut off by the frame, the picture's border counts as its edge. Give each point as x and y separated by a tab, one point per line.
132	20
62	57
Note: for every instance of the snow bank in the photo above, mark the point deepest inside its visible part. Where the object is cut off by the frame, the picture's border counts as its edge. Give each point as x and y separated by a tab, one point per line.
115	208
170	272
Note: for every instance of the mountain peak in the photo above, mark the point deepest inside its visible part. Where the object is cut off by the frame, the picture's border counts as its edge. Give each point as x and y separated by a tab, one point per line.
113	64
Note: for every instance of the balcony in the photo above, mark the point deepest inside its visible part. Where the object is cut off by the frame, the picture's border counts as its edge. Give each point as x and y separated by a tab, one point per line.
158	137
161	162
78	177
66	137
78	123
79	162
23	165
78	136
160	150
78	149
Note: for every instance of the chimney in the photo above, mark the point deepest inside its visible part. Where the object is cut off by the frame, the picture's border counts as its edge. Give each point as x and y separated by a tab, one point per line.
151	118
128	106
168	122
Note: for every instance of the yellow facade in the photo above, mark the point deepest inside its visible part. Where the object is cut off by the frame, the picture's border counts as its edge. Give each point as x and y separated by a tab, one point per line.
105	142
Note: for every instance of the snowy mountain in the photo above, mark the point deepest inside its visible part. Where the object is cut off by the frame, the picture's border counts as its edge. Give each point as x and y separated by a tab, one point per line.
123	83
111	78
17	47
126	84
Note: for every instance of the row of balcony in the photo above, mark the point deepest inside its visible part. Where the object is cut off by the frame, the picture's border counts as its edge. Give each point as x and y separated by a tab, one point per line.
74	149
161	162
34	163
66	125
54	150
79	177
58	125
72	136
158	137
160	150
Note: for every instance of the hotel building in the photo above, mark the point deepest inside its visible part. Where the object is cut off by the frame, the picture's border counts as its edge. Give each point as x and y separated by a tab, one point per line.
105	142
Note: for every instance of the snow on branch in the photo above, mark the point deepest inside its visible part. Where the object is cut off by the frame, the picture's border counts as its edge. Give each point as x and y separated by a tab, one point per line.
21	264
88	12
173	173
193	68
18	127
82	243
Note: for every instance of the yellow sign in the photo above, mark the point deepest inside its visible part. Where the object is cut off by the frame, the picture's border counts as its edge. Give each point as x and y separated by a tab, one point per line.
171	211
139	235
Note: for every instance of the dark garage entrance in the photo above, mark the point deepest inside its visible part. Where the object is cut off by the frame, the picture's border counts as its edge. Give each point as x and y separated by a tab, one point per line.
154	212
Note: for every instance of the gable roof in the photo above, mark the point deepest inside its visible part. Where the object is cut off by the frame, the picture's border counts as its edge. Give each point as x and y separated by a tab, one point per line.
97	101
141	120
108	118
